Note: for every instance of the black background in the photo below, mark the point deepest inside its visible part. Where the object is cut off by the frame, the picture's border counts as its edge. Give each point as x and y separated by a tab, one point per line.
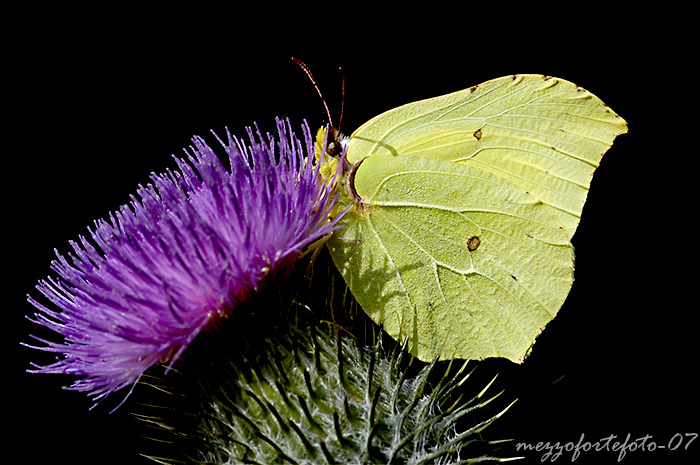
95	106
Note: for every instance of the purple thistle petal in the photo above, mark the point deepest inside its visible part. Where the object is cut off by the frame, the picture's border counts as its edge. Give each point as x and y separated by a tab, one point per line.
184	253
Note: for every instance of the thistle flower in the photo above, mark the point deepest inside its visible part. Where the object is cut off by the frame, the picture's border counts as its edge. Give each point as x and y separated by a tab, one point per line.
184	254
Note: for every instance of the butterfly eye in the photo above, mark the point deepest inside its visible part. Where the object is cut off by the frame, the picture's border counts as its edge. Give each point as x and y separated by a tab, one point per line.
335	143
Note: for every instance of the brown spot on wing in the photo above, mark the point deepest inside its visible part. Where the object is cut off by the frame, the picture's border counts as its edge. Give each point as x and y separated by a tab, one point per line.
473	243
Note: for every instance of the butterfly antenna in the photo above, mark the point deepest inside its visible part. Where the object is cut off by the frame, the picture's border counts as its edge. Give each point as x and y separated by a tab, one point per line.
342	100
313	81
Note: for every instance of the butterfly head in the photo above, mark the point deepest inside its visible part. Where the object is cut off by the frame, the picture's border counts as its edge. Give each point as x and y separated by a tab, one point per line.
328	150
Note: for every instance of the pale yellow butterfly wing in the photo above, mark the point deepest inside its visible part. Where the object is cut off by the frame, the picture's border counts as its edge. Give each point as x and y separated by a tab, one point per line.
543	134
462	263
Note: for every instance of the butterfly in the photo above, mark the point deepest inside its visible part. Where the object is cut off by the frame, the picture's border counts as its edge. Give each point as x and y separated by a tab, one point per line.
461	209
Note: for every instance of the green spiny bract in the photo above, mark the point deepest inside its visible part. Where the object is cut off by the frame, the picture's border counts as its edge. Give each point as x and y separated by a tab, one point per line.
313	396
